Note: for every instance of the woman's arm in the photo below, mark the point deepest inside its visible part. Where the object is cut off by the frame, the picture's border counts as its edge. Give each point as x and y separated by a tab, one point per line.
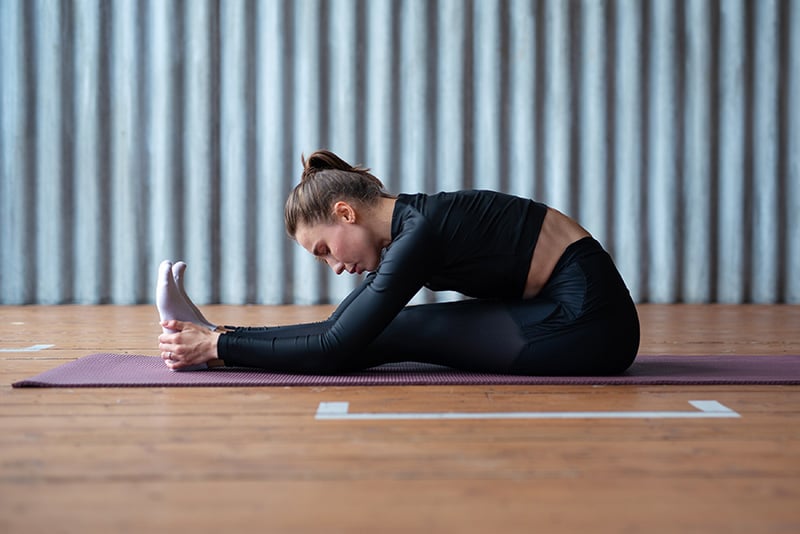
190	347
363	315
332	345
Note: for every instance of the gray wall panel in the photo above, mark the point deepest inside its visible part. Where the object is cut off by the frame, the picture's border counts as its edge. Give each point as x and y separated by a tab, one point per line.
134	131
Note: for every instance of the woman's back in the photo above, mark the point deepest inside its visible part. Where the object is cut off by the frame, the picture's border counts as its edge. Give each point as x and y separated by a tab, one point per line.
483	240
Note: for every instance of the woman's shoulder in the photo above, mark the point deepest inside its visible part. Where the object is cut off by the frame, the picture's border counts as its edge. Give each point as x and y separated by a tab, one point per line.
445	197
465	200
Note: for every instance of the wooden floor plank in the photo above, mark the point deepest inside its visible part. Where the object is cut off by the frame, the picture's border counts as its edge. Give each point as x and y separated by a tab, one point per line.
555	505
256	460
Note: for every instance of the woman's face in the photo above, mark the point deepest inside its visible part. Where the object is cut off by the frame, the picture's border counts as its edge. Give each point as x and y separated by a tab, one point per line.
343	245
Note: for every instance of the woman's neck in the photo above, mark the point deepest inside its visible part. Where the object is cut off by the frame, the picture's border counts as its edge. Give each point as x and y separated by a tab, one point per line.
382	220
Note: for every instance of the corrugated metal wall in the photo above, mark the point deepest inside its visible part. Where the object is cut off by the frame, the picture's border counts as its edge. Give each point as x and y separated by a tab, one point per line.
136	131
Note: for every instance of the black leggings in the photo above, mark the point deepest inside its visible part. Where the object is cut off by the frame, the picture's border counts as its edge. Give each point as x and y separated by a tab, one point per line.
583	322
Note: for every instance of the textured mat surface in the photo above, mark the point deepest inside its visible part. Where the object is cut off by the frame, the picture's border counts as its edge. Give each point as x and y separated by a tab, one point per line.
132	370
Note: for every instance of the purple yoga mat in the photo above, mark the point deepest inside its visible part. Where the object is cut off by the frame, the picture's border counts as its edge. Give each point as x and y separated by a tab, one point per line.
131	370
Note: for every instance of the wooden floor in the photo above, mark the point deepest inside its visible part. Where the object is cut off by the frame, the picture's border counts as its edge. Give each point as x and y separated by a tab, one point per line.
256	460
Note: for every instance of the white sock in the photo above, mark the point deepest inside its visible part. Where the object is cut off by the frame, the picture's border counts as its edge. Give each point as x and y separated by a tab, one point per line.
178	270
168	298
171	305
170	302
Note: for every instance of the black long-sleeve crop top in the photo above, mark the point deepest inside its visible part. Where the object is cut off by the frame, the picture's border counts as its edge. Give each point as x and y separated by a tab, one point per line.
479	243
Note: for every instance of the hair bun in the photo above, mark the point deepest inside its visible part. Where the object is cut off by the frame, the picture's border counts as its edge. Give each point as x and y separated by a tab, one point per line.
321	160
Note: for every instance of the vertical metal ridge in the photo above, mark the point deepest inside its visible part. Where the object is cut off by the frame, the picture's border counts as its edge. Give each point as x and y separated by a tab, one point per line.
272	127
765	154
413	83
234	133
792	165
697	150
523	147
663	245
487	105
730	284
87	277
125	179
380	153
51	175
17	250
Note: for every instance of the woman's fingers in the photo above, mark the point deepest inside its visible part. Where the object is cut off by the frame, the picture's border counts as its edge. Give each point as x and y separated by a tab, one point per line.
168	352
173	324
187	346
169	346
172	338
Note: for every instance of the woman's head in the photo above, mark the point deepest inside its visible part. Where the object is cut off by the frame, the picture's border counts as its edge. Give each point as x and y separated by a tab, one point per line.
326	180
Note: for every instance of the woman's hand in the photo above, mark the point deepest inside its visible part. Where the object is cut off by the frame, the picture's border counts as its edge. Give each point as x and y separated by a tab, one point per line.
189	345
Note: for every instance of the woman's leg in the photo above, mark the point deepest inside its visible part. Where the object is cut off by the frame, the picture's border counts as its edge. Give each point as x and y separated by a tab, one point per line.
594	328
478	335
474	335
601	343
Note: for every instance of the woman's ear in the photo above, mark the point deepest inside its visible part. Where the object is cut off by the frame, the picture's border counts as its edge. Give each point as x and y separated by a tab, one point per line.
344	212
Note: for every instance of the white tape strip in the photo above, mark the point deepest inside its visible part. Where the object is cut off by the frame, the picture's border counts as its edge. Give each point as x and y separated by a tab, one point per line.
32	348
708	409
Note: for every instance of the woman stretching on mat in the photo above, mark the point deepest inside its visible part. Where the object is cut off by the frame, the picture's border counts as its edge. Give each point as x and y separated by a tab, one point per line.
548	299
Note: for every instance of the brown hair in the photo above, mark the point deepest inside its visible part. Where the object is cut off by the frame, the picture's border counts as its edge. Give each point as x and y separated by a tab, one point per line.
327	179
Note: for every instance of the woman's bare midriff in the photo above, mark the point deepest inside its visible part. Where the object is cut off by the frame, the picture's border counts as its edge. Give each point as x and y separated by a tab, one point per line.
557	233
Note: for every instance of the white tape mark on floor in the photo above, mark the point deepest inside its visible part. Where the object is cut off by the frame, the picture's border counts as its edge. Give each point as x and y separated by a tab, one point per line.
32	348
708	409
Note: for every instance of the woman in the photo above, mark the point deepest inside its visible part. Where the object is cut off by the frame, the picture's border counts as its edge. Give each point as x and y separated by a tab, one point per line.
548	299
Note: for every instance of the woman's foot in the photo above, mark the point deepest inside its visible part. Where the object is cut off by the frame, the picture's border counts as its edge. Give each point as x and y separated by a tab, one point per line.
178	270
171	304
